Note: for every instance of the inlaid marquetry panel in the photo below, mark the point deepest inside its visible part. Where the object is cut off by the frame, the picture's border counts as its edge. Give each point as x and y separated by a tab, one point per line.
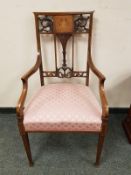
63	24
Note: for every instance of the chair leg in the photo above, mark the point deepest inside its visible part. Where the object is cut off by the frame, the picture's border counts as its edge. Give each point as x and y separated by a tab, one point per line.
99	148
27	147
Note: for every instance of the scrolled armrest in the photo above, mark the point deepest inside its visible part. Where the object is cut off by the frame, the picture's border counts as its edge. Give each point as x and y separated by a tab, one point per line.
21	101
101	77
33	69
96	71
104	103
20	104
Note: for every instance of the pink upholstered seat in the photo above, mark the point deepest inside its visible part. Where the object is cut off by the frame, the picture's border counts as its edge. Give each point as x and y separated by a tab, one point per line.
63	107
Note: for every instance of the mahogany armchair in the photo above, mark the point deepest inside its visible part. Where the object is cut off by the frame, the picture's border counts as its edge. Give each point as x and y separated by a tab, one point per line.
63	107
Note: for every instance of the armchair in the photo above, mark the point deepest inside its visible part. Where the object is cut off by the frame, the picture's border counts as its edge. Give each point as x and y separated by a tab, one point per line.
63	107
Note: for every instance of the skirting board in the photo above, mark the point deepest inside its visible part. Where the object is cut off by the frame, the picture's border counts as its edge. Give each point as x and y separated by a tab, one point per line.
7	110
112	110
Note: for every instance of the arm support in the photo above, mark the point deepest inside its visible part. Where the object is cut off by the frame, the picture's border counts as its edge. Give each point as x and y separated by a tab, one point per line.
20	105
101	77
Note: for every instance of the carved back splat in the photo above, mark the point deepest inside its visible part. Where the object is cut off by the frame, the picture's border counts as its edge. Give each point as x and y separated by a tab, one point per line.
64	26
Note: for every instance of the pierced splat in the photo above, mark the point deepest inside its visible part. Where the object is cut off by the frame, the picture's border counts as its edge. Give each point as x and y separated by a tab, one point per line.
45	24
63	39
80	23
64	26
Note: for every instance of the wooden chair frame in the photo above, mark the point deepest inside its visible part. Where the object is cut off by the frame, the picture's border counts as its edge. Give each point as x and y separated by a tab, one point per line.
71	73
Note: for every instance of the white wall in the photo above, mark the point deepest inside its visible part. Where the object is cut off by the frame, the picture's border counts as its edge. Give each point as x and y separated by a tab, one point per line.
112	44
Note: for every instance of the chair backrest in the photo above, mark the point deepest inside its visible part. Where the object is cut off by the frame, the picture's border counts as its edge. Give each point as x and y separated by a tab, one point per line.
64	27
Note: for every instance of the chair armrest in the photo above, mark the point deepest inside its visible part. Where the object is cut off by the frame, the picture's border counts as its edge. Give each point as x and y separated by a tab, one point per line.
101	77
33	69
104	103
21	101
96	71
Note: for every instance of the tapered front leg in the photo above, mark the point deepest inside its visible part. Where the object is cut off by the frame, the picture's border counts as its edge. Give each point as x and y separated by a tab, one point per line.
27	147
99	148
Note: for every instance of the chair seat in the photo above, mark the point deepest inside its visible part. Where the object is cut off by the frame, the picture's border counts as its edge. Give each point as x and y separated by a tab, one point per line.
63	107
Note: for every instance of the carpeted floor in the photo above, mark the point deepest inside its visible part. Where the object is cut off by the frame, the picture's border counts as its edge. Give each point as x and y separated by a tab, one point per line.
62	153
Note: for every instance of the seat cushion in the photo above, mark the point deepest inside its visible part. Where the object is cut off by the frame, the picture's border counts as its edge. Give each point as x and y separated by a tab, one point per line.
63	107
